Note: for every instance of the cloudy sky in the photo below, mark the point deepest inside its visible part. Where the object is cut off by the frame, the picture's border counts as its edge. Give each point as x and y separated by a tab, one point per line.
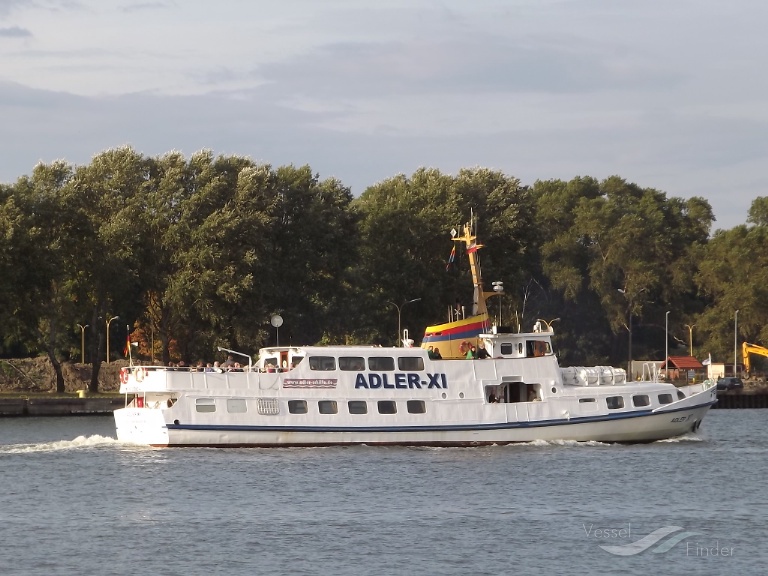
670	94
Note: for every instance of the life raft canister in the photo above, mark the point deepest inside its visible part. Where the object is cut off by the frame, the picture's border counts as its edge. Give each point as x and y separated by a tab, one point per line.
124	375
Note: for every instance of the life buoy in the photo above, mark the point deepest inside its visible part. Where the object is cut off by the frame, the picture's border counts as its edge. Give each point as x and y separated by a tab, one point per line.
140	373
124	375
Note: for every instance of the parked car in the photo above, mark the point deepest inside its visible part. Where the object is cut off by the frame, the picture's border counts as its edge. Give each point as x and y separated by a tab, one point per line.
730	383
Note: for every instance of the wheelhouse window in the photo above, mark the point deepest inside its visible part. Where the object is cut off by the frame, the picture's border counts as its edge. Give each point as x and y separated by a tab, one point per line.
323	363
416	407
352	363
328	407
387	407
205	405
665	398
614	402
507	349
536	348
381	363
297	406
271	364
357	407
410	363
640	400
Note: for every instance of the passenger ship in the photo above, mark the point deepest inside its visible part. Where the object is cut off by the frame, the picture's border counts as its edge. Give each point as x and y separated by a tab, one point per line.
341	395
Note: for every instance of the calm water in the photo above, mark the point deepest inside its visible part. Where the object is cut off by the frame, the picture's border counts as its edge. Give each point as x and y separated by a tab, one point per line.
74	501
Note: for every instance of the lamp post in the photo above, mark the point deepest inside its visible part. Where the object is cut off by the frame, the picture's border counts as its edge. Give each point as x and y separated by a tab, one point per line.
498	287
690	336
82	342
666	343
735	340
108	323
399	310
630	300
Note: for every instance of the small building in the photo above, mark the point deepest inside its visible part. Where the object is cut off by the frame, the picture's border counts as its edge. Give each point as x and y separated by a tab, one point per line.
717	370
682	367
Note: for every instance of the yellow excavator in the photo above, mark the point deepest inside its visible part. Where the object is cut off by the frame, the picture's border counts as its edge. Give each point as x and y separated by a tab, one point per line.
747	349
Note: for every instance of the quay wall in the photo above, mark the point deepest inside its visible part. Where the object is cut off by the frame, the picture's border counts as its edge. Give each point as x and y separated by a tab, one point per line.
751	399
96	406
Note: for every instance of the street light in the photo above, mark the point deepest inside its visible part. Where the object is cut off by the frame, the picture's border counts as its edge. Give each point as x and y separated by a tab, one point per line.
690	335
735	339
108	323
82	342
399	310
629	328
666	343
498	287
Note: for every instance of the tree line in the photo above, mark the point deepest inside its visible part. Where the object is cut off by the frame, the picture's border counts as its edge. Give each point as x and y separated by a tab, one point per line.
192	254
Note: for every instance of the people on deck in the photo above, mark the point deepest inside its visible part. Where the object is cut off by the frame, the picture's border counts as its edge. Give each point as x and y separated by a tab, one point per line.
472	352
482	353
436	354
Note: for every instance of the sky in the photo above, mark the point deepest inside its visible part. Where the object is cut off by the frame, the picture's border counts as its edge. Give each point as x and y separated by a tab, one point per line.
668	94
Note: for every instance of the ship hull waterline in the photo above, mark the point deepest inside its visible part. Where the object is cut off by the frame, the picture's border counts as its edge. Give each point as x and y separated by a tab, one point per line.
132	427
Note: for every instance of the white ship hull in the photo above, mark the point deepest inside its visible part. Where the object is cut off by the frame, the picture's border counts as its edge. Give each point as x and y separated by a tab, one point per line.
134	427
458	419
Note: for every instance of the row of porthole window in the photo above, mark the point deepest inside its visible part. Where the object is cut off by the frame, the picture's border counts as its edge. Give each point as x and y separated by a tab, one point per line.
323	406
375	363
638	400
356	407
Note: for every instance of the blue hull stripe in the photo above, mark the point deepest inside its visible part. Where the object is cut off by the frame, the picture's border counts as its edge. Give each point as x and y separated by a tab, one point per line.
436	428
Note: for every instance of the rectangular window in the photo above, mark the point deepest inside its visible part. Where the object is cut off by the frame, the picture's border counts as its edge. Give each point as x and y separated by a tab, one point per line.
352	363
410	363
297	406
205	405
416	407
665	398
387	407
381	363
271	364
328	407
614	402
507	349
587	400
641	400
324	363
357	407
236	405
536	348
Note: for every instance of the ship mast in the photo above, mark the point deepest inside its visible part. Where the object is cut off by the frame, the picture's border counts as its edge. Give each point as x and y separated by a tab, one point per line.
469	238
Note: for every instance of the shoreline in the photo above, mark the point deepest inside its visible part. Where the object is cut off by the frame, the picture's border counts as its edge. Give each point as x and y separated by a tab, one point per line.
23	406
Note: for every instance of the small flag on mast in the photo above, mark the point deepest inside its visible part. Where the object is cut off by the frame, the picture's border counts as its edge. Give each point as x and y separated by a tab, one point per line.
451	258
